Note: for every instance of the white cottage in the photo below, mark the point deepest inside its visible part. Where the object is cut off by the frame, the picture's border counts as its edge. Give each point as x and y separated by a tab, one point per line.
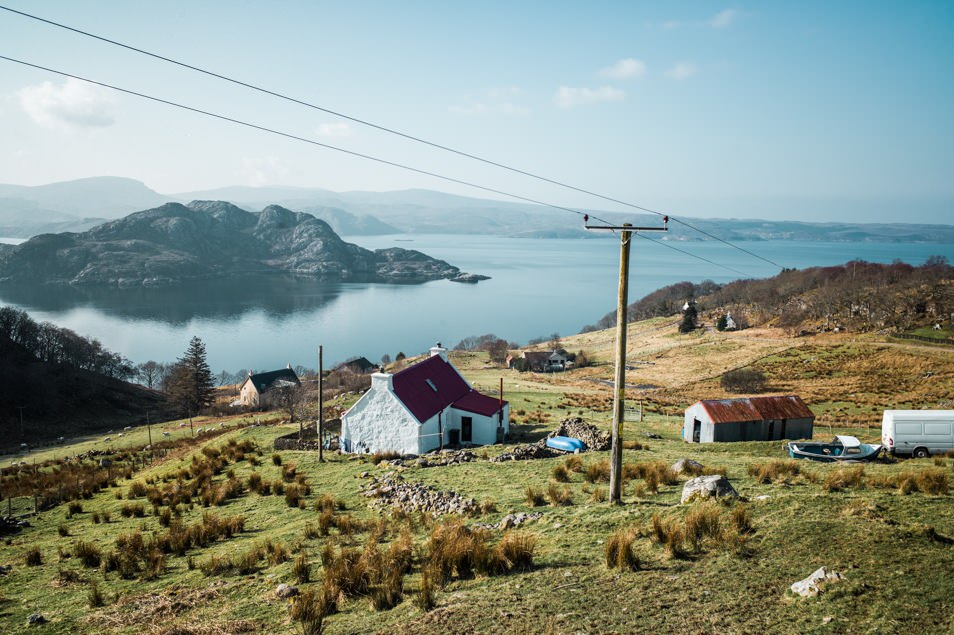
421	408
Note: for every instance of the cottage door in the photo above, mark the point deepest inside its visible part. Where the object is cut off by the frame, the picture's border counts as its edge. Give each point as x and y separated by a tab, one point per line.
466	429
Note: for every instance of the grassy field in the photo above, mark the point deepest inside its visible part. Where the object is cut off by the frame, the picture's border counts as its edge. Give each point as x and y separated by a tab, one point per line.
694	568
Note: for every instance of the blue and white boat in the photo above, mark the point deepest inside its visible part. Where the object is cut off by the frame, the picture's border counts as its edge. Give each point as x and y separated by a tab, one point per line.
842	448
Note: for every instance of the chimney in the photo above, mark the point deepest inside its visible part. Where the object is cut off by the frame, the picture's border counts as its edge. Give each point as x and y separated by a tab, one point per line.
439	350
382	380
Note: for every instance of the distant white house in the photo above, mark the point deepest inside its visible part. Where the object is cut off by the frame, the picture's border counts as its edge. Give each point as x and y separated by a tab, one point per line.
421	408
257	386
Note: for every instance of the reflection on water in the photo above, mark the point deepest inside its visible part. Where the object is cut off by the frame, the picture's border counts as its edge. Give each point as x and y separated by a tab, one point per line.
225	300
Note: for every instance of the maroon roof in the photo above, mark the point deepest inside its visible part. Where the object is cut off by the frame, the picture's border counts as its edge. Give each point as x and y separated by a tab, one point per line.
756	409
478	404
428	387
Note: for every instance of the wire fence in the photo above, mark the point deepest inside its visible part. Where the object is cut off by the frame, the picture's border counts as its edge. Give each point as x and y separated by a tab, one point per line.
943	341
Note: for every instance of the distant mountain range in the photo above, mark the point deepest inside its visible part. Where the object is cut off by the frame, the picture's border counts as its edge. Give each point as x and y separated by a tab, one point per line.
177	243
82	204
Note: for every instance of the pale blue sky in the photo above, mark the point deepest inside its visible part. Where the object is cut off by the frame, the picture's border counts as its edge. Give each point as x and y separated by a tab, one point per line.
802	110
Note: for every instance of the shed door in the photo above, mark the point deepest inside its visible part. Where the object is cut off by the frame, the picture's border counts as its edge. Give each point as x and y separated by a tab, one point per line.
466	429
696	430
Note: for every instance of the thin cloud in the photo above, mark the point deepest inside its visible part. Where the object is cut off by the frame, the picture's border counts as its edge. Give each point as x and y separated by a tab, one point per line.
625	69
339	129
681	70
481	109
260	171
568	97
73	104
723	18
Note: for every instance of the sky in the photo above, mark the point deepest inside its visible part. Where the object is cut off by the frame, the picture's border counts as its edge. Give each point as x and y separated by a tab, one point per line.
804	110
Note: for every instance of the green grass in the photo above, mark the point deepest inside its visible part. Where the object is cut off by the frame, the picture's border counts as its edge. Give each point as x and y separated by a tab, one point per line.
890	546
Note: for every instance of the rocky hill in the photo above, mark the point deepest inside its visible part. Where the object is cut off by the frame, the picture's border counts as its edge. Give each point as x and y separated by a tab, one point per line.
174	243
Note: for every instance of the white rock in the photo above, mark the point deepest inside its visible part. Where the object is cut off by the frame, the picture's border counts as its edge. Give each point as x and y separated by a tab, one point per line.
710	486
814	584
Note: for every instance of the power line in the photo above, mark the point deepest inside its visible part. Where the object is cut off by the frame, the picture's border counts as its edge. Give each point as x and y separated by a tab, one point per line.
332	147
393	131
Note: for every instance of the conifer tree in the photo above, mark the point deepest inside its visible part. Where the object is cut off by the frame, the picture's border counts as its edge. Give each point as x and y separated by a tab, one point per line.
191	385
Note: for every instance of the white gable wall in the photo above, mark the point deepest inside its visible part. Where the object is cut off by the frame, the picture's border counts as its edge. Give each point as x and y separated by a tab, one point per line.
379	422
694	412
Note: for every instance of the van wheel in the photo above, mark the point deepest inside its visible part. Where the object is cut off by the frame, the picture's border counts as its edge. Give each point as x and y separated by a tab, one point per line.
921	453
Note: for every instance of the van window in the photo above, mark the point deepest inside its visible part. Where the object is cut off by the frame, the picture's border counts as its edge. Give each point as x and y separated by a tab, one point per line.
937	428
908	427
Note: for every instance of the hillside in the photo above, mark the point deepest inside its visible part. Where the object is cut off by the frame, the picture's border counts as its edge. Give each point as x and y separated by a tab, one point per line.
175	243
199	540
59	400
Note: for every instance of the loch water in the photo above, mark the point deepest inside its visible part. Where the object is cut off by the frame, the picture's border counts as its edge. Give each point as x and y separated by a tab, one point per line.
537	287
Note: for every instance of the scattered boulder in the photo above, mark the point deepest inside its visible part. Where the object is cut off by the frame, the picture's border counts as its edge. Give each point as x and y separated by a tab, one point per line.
35	618
816	582
285	591
711	486
687	466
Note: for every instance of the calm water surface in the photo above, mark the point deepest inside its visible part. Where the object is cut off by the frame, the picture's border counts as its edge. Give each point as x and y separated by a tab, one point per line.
538	287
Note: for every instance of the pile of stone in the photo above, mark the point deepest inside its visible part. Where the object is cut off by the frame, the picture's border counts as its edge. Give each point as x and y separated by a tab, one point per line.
528	452
511	520
593	437
392	491
436	459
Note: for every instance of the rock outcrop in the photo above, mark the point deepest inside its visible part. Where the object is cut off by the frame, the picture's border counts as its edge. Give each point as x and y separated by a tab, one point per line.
208	240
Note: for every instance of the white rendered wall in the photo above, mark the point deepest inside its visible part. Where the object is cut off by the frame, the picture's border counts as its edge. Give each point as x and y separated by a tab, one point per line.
697	412
379	422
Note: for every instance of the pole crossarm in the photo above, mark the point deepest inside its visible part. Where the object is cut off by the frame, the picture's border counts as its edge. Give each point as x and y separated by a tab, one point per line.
616	452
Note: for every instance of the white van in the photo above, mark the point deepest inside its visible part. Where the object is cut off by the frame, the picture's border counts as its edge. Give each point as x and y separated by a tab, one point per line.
919	433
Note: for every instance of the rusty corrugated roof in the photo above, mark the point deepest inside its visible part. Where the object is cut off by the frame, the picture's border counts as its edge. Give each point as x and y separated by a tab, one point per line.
756	409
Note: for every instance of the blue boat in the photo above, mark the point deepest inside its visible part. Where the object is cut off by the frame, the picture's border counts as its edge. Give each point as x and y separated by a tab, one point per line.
567	444
842	448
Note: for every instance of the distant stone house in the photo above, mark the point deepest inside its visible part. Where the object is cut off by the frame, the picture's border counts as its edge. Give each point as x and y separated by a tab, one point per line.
358	365
748	419
541	361
258	388
421	408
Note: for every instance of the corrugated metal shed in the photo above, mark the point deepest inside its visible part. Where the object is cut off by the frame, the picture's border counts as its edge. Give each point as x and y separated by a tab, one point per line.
756	409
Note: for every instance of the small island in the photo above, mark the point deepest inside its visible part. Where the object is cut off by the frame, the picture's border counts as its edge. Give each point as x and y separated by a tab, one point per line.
176	243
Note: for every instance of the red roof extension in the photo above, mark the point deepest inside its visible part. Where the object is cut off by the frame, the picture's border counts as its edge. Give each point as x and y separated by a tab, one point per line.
430	386
756	409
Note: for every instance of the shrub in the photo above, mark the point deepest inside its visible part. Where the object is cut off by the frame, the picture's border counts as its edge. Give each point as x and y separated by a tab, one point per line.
292	495
255	482
276	459
573	464
598	495
533	497
619	550
775	470
560	474
32	557
128	510
310	608
136	489
425	599
843	478
88	553
743	380
75	507
301	569
598	472
559	496
95	597
63	530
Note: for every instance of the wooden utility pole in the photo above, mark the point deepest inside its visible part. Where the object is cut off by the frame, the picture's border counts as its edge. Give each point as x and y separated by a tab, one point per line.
149	430
321	407
619	397
21	408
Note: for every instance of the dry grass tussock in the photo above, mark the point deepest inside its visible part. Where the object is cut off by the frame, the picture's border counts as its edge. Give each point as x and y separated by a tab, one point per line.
619	549
705	526
778	471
